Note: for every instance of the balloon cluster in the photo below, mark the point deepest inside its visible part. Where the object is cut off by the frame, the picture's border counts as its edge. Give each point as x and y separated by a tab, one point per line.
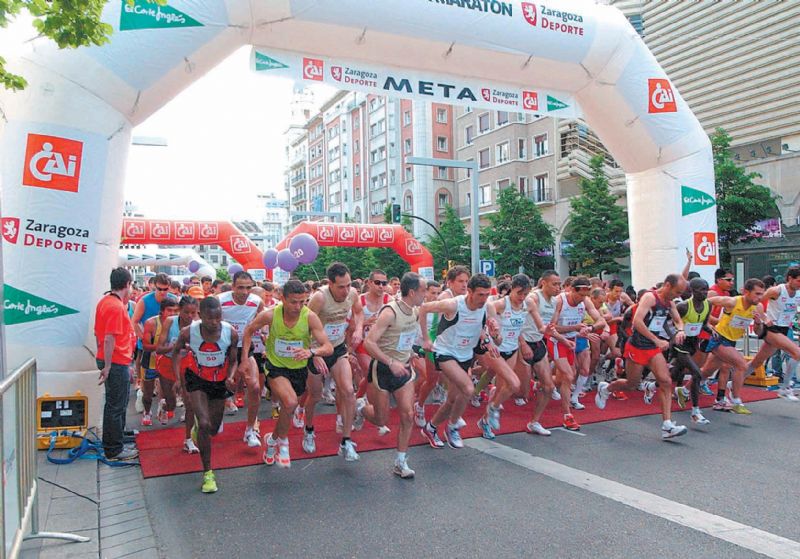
303	249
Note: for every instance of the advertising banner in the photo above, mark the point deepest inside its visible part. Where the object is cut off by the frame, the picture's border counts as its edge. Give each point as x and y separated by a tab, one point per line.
412	84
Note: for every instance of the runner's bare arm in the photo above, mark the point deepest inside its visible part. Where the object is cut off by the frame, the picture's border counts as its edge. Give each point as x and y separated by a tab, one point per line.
317	302
318	333
138	313
722	301
162	347
263	318
358	320
233	363
148	344
677	321
183	339
599	321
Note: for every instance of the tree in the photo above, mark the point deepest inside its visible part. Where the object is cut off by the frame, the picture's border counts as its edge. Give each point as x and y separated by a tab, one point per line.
740	202
458	241
518	235
70	24
222	274
599	227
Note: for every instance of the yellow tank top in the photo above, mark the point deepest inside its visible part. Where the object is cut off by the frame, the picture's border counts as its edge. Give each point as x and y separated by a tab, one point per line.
282	339
734	323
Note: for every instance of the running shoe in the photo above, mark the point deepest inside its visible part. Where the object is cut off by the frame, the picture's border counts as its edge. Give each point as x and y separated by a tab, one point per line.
251	438
419	415
493	415
139	405
570	424
486	430
672	430
276	410
327	397
556	395
209	482
270	450
460	424
230	407
453	437
699	419
309	442
358	420
299	417
178	402
147	420
239	400
339	424
788	394
601	398
649	392
189	447
535	428
475	401
520	402
283	455
722	405
619	395
163	419
383	430
348	450
681	395
402	470
576	405
740	409
439	394
432	436
705	390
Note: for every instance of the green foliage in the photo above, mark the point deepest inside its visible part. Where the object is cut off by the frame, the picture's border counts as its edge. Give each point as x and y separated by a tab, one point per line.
598	226
69	23
458	241
518	235
222	274
740	202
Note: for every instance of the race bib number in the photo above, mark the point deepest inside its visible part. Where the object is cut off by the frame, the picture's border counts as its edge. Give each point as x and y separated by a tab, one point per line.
692	329
657	323
258	343
211	358
283	348
785	319
406	340
335	331
465	342
740	322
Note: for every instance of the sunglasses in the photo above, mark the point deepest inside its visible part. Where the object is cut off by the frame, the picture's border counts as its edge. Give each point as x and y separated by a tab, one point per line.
378	282
162	288
728	279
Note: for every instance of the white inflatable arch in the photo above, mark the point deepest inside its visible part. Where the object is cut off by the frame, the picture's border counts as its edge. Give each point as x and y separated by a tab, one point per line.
65	138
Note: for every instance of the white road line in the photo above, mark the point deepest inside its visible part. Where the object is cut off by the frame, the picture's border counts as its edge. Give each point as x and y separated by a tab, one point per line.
568	431
715	526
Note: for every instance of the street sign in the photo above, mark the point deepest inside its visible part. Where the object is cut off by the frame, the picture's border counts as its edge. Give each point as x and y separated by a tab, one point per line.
487	267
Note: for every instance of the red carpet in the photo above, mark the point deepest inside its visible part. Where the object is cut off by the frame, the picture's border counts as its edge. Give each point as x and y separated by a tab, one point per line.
160	451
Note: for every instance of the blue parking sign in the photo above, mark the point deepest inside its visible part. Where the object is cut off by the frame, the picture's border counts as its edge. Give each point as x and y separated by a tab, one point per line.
487	267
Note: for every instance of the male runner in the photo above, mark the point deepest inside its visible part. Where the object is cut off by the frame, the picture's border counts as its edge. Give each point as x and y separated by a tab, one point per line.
150	336
147	307
372	302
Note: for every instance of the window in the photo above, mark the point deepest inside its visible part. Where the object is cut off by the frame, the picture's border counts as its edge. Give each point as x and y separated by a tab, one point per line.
521	151
441	143
408	203
484	158
334	175
333	131
469	134
444	199
541	192
523	185
392	176
377	128
408	173
484	123
406	118
376	208
502	118
407	145
501	153
356	145
441	116
503	184
486	195
357	122
540	145
374	103
442	173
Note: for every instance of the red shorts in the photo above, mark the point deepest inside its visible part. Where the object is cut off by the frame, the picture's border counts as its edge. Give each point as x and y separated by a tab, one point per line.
638	355
557	350
612	328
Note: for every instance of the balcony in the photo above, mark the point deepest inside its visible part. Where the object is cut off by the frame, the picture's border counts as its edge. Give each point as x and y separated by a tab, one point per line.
578	145
299	197
541	195
298	178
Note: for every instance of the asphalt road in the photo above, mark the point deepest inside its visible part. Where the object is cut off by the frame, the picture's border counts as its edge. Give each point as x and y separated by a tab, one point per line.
465	503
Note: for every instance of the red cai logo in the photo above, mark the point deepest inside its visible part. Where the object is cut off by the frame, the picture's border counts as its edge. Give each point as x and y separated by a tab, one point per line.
10	229
705	248
529	12
134	230
159	229
346	234
239	244
386	235
208	231
413	247
184	230
325	233
486	93
313	69
530	100
53	162
336	73
366	234
660	97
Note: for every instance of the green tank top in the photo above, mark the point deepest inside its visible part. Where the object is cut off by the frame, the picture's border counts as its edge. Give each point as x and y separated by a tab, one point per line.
282	338
692	320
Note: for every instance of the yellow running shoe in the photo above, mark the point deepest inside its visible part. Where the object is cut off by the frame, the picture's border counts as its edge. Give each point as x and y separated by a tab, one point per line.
741	410
209	482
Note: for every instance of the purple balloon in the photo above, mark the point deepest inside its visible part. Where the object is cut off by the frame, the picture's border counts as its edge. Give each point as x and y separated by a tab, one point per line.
187	281
234	269
194	265
270	258
304	247
286	261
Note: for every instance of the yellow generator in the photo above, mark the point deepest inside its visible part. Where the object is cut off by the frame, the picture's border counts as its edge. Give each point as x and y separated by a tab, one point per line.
62	419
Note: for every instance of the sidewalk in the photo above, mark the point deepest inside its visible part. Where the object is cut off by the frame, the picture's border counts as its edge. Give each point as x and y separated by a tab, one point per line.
97	501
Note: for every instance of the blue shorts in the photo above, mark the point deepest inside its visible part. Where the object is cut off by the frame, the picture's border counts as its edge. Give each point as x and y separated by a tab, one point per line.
718	341
150	374
581	344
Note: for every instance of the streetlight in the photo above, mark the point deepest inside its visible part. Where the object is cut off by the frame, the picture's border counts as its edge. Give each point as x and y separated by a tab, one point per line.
473	167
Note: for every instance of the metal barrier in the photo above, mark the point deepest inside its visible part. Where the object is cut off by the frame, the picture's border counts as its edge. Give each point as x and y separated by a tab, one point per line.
23	384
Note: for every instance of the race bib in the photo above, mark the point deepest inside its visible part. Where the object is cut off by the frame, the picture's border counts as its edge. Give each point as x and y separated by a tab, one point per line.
335	331
657	323
283	348
785	319
740	322
406	340
692	329
211	358
258	343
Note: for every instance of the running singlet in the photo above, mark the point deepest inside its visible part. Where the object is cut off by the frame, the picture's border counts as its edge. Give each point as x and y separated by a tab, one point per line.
239	316
282	339
693	321
733	324
654	321
546	310
369	314
149	358
511	323
334	315
164	362
210	358
570	316
459	337
401	334
781	311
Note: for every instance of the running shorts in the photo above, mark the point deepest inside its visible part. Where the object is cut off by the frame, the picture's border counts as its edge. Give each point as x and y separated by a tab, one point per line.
338	352
297	377
382	376
214	390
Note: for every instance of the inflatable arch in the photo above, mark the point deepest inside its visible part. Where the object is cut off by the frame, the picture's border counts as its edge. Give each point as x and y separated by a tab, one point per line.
137	231
359	235
163	257
65	138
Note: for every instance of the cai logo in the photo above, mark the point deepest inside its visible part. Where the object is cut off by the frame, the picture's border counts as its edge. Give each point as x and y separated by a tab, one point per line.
52	162
530	100
366	235
159	230
11	229
529	12
705	248
325	232
208	231
184	230
239	244
336	73
661	99
313	69
413	247
486	93
347	234
134	230
386	235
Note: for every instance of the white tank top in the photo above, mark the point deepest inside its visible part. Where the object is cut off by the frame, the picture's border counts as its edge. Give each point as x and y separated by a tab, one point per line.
511	323
615	308
458	337
210	357
781	311
385	300
239	316
570	316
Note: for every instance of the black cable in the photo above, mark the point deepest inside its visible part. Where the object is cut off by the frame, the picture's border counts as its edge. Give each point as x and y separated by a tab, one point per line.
69	490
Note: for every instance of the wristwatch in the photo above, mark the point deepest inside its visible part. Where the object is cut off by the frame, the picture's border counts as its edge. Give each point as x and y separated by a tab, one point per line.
311	351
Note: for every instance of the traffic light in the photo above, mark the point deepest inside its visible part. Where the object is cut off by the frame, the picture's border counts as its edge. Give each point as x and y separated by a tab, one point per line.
395	213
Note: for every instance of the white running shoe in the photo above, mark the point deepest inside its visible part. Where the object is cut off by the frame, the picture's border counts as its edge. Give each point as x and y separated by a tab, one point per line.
649	392
284	461
460	424
383	430
251	438
453	437
576	405
419	415
358	420
601	398
672	430
299	417
309	442
556	395
139	405
700	419
190	447
230	407
402	470
520	402
348	450
178	402
534	427
327	397
788	394
475	401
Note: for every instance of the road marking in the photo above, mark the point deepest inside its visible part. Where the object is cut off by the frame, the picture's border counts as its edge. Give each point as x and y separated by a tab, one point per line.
715	526
568	431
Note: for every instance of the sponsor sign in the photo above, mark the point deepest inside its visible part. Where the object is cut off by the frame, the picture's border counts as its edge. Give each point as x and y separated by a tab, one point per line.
661	99
135	230
553	21
145	14
366	234
160	230
705	248
385	235
346	234
694	201
413	247
10	229
208	231
52	162
239	244
264	63
20	306
326	233
258	274
410	84
184	230
768	228
54	236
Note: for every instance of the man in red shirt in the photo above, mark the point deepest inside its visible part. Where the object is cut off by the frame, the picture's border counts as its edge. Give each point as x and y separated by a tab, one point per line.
115	341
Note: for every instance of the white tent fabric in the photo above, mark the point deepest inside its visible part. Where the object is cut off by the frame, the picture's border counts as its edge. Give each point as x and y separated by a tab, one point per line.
163	257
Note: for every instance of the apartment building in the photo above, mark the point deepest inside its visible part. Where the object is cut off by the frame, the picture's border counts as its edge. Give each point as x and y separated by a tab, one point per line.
274	220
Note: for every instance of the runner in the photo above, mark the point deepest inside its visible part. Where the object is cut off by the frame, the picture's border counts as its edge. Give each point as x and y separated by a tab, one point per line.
151	334
239	308
645	349
389	343
147	307
288	347
723	283
210	377
332	303
372	302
